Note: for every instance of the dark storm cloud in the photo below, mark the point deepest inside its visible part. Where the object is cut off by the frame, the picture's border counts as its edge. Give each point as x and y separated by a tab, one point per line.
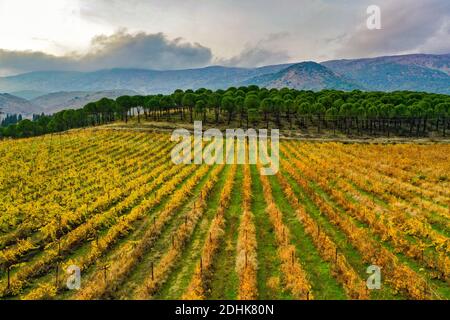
120	50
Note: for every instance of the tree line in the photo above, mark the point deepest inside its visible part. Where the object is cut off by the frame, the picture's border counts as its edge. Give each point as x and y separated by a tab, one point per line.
10	119
354	113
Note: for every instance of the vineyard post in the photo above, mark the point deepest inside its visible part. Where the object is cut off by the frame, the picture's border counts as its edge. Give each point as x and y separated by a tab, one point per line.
201	264
336	255
57	276
293	256
8	270
105	270
245	258
151	267
307	295
421	199
59	232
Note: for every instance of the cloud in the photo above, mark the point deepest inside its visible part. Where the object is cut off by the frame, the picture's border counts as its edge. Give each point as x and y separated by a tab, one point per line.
260	54
119	50
407	26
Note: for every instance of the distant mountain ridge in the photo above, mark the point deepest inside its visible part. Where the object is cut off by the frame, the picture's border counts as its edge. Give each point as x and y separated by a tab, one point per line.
304	76
419	72
140	80
10	104
429	73
57	101
54	102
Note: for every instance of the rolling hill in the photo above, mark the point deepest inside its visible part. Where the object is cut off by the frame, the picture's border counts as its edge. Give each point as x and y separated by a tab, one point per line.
429	73
304	76
10	104
57	101
54	102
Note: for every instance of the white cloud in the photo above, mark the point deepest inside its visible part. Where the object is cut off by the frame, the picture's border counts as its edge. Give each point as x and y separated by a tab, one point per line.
260	54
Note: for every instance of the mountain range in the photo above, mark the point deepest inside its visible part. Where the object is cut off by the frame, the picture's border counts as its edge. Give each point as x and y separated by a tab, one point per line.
51	91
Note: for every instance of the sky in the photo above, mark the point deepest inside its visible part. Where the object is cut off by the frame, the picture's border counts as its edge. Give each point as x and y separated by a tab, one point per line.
87	35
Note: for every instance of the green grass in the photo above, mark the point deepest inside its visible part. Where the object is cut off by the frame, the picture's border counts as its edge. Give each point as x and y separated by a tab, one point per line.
225	282
324	286
352	255
268	261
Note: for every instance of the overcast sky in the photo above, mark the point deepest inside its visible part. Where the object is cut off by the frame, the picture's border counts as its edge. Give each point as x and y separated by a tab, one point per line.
88	35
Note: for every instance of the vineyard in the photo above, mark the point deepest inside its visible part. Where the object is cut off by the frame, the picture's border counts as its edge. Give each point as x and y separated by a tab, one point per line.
113	204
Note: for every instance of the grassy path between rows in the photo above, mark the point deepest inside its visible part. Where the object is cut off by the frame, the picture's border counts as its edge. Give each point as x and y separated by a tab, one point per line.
324	286
269	273
226	282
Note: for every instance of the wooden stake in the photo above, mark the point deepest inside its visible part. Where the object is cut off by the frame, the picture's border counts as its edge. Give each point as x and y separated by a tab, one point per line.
57	276
153	276
9	277
105	269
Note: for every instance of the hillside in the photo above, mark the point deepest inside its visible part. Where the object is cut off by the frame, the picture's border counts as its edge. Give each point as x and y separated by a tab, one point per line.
304	76
12	104
58	101
429	73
